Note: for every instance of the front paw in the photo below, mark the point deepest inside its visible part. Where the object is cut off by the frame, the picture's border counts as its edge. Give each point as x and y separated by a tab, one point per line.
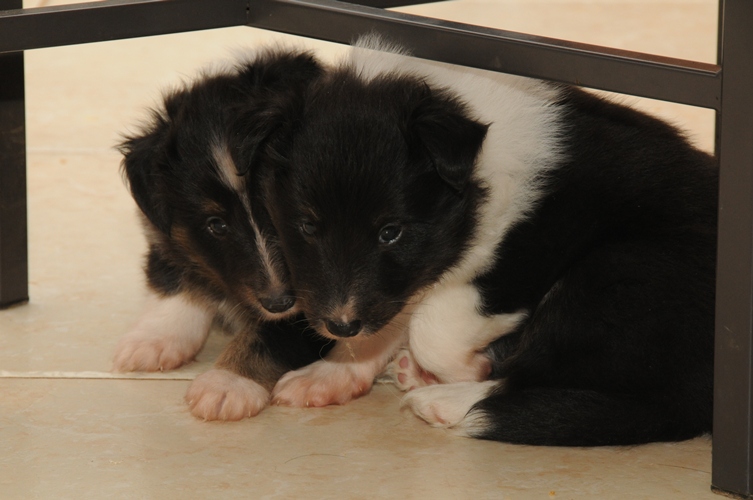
320	384
223	395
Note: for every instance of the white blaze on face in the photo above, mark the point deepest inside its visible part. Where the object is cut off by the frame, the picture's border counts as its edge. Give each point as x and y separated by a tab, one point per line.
229	176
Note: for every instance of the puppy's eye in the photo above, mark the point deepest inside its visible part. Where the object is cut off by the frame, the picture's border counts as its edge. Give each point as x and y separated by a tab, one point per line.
217	227
389	234
308	228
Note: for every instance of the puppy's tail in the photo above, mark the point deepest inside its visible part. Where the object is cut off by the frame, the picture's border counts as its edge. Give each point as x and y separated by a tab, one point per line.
575	417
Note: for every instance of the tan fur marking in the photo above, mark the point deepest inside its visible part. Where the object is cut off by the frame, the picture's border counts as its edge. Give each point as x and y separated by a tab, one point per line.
211	207
182	238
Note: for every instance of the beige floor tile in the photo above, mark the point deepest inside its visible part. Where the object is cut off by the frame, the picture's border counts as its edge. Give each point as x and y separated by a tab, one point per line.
93	437
135	439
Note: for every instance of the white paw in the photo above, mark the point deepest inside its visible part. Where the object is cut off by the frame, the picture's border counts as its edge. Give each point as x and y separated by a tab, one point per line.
446	405
405	373
169	334
139	353
223	395
320	384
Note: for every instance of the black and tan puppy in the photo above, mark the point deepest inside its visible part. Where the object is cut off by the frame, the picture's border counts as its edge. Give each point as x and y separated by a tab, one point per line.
213	254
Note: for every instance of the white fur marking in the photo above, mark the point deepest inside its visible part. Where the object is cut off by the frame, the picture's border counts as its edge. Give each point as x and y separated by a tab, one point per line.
448	335
170	332
266	254
229	174
447	405
227	168
222	395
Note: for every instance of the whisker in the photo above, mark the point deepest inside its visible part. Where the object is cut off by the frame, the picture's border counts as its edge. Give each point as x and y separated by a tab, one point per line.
322	356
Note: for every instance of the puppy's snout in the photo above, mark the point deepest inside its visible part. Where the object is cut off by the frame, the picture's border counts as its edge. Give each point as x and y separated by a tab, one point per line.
343	329
278	303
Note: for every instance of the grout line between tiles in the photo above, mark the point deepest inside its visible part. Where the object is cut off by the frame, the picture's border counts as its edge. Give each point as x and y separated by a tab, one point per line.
95	375
63	150
382	380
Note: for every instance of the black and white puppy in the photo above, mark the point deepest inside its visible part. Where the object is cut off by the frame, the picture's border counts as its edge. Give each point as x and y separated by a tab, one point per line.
558	244
213	253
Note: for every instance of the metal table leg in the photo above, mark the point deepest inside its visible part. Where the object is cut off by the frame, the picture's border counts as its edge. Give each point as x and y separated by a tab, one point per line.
13	233
732	468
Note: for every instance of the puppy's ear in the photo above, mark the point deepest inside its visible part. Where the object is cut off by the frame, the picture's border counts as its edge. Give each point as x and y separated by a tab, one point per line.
144	164
276	83
280	71
259	132
441	126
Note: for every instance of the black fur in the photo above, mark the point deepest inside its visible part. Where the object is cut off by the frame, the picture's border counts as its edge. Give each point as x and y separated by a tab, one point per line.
410	176
277	347
617	265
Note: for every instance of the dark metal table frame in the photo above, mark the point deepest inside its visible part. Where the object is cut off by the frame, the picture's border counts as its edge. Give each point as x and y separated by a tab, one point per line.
726	87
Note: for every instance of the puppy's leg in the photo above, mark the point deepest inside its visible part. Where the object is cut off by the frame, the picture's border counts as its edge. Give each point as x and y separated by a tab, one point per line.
448	336
347	372
170	332
240	384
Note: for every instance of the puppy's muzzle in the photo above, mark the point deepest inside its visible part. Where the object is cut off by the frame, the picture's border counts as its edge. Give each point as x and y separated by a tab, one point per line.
345	330
278	303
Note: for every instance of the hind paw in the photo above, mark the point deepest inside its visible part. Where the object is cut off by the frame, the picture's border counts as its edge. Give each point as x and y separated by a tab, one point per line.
136	354
446	405
169	334
405	373
223	395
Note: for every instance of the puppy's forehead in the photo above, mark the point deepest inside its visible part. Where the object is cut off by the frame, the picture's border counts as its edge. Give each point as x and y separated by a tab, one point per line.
351	206
351	145
349	176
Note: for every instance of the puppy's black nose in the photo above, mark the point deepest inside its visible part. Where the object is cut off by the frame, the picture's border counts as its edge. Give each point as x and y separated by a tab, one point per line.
277	303
344	329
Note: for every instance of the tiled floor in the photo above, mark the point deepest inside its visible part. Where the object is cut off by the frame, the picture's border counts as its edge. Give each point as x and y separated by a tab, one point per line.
68	429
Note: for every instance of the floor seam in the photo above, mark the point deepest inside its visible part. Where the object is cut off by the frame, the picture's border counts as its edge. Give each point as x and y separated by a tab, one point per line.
93	375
